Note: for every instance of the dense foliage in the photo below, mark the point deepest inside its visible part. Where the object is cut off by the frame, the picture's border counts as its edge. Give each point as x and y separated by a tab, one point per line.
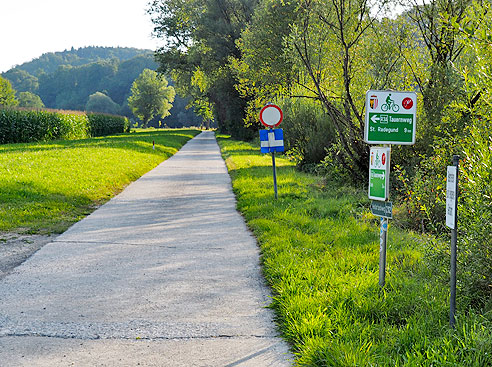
96	79
50	62
102	124
7	93
200	40
23	126
30	100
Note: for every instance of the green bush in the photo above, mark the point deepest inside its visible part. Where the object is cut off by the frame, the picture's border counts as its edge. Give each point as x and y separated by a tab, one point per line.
102	124
24	126
475	216
308	132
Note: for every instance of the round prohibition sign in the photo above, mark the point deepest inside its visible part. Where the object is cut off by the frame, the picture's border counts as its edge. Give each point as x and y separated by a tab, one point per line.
271	115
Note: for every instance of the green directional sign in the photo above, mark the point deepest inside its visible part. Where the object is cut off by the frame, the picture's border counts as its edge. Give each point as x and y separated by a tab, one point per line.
390	117
379	169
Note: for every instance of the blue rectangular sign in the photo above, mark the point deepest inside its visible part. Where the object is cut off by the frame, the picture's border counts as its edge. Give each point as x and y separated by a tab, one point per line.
272	140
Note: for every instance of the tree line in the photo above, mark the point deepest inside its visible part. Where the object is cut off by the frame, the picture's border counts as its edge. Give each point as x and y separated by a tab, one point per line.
317	58
95	79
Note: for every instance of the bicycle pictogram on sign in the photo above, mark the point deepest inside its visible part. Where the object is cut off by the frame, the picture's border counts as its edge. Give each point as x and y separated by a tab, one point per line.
390	105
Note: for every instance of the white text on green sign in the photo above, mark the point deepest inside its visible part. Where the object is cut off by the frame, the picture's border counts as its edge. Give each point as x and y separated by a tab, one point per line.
390	117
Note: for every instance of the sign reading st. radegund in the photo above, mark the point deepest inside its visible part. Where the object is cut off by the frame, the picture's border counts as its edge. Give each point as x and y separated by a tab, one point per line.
390	117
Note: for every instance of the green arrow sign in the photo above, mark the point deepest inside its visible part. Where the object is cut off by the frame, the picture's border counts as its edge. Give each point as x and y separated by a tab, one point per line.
379	168
390	117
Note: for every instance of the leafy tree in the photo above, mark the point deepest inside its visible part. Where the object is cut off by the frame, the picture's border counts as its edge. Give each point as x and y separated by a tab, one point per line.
7	93
265	71
99	102
200	41
441	85
151	96
182	114
30	100
322	50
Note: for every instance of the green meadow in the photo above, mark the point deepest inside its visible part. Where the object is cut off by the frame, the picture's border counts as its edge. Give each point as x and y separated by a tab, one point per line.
320	255
46	187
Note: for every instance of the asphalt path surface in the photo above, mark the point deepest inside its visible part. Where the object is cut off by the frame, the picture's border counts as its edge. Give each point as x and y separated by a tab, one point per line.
164	274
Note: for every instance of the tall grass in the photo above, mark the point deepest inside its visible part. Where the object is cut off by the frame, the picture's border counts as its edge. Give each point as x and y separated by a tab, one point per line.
320	250
45	187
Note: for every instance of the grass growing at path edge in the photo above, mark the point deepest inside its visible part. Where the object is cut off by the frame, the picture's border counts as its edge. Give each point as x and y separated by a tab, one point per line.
320	251
46	187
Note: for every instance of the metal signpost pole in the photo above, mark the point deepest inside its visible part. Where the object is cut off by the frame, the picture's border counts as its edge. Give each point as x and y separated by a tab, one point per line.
274	176
391	118
383	237
383	240
454	240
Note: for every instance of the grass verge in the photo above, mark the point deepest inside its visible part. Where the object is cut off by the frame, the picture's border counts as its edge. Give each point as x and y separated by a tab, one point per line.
320	251
46	187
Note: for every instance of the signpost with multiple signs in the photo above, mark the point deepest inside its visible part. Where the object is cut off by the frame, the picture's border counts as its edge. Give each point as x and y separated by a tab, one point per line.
390	119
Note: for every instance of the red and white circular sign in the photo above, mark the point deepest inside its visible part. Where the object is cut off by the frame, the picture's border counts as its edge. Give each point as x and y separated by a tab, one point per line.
271	115
407	103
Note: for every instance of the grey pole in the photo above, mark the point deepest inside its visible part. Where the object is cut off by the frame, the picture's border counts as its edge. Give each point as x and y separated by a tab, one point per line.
383	236
383	239
274	175
454	240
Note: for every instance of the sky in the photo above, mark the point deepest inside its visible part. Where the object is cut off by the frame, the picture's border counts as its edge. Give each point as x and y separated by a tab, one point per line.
30	28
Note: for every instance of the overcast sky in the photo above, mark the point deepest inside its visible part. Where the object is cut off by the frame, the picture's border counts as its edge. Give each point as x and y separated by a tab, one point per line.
29	28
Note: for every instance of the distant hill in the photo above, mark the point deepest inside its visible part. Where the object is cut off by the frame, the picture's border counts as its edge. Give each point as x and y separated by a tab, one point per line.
66	80
49	62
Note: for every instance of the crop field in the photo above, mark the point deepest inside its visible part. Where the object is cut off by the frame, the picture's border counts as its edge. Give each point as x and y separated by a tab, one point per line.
320	252
46	187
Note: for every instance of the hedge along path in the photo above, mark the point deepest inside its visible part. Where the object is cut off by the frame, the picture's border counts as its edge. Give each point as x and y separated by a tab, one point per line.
46	187
24	126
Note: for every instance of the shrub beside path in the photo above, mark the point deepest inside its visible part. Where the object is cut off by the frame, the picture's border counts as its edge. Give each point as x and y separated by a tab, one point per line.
164	274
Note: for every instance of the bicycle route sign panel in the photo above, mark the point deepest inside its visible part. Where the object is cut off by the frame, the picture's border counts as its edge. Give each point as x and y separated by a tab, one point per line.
390	117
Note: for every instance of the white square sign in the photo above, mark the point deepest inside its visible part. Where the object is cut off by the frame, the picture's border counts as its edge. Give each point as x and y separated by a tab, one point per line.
451	180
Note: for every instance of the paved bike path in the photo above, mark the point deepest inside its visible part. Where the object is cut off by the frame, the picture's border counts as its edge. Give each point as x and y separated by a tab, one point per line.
164	274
